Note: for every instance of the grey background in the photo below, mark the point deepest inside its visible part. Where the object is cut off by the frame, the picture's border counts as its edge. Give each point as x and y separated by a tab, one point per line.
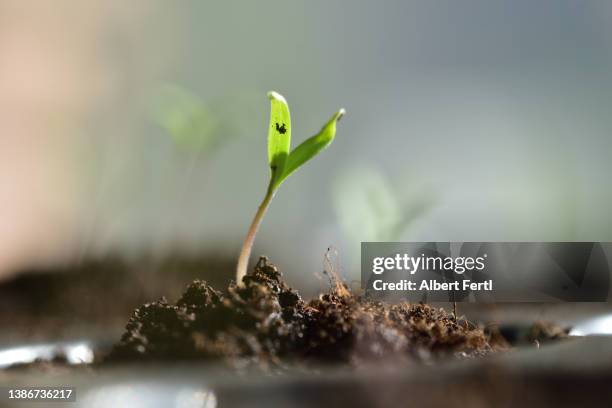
496	112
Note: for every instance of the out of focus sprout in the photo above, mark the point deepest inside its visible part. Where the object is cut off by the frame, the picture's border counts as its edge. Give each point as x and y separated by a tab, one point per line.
186	118
370	209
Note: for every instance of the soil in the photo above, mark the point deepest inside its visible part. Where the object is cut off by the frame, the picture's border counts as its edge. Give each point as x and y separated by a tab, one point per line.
71	301
267	324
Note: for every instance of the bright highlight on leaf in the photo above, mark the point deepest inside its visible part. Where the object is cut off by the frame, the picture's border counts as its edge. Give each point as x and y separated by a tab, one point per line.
283	162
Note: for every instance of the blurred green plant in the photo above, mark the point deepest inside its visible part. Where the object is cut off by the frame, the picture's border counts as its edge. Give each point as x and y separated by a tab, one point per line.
190	122
283	163
369	209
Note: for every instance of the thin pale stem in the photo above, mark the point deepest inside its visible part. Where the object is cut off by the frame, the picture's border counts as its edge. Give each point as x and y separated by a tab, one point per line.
247	246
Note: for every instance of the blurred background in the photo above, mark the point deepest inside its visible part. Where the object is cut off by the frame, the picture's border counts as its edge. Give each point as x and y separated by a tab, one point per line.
137	131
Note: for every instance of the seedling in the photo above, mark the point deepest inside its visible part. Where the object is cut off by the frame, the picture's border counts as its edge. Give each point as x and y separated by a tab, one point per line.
283	163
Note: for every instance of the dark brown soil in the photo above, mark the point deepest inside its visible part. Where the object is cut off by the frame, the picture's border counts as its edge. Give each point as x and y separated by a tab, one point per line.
266	323
72	300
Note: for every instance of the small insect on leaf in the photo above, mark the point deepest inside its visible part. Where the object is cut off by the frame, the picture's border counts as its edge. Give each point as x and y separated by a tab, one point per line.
279	134
281	129
311	147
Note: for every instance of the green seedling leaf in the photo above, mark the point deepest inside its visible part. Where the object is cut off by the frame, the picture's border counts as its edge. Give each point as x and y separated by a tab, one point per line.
311	147
279	134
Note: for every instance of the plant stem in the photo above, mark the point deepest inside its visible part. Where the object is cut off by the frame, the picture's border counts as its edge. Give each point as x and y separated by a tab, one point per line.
247	245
